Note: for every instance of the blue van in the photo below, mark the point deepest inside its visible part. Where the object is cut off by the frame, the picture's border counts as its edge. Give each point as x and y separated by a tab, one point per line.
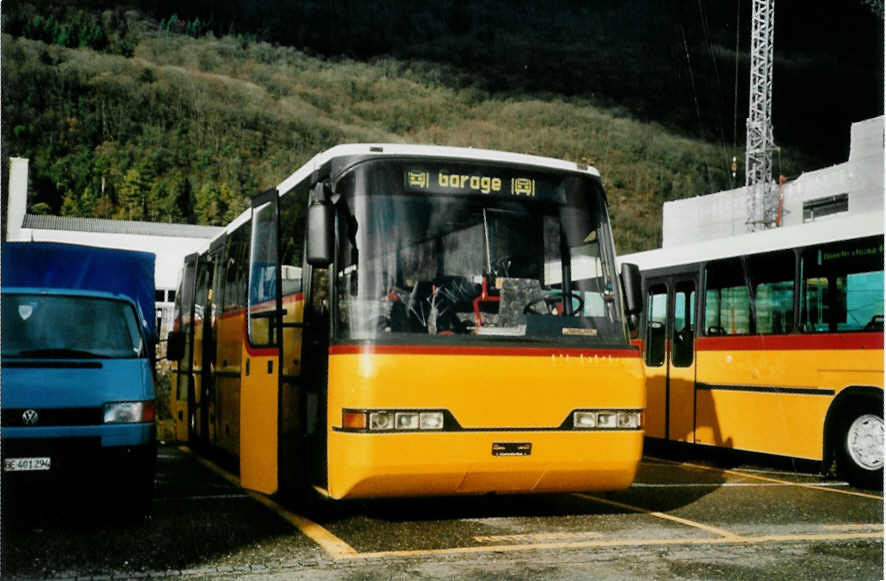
77	368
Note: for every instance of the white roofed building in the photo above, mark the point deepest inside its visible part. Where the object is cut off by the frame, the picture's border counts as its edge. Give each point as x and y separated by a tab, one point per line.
852	188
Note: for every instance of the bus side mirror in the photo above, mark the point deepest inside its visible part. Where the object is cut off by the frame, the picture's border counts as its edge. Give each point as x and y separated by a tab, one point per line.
630	282
175	345
319	241
320	244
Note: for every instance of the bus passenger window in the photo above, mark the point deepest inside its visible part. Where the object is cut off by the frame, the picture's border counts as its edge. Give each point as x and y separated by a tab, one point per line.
727	302
656	309
773	281
292	236
684	323
842	286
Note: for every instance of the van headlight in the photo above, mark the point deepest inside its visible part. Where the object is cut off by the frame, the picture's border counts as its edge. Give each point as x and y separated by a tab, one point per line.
129	412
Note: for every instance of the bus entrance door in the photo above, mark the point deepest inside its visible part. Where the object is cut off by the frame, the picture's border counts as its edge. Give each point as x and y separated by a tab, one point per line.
681	362
669	358
260	387
183	380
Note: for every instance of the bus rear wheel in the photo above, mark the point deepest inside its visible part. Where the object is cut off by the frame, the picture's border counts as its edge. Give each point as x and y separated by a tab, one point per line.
860	448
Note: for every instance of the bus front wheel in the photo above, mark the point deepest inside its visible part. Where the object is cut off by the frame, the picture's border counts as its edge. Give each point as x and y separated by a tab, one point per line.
860	447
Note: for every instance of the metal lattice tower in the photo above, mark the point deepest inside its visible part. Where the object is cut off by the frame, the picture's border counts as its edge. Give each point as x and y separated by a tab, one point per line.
762	203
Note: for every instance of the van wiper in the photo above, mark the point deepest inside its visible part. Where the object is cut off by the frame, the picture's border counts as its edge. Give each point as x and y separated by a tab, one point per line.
58	353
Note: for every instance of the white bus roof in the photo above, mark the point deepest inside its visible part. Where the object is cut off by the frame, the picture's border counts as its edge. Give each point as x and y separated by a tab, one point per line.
819	232
425	151
419	151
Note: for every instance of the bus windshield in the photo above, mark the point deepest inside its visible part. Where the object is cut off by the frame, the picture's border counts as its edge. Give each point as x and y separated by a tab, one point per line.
473	264
69	327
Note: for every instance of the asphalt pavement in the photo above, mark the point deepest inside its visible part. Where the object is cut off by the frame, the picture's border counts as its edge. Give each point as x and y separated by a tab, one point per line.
687	516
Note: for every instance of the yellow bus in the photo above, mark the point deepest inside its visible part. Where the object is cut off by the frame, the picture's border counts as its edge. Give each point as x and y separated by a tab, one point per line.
770	342
402	320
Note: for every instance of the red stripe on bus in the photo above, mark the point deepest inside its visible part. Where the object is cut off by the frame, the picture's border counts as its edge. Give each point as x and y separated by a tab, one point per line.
287	299
835	341
479	350
261	351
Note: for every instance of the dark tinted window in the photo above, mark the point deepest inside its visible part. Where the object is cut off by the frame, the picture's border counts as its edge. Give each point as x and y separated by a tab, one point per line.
236	268
684	324
656	322
772	280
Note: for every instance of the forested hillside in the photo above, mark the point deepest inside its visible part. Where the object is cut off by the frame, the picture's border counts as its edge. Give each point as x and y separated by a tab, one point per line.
124	115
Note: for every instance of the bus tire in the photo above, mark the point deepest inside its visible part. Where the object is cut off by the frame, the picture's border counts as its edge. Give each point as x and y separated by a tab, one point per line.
859	447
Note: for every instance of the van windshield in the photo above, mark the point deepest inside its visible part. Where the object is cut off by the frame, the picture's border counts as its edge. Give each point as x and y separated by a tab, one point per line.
70	327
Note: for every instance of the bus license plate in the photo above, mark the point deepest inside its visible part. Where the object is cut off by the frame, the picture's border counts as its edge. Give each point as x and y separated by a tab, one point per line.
26	464
511	448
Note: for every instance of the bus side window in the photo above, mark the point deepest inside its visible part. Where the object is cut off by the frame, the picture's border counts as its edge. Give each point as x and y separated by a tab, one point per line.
656	318
684	324
842	287
236	268
727	302
772	276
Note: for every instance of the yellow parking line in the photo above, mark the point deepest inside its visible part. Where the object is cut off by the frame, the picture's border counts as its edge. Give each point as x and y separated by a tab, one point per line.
662	515
618	543
339	549
768	479
334	546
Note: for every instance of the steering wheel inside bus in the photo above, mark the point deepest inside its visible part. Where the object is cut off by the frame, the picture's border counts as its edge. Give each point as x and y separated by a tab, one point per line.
554	305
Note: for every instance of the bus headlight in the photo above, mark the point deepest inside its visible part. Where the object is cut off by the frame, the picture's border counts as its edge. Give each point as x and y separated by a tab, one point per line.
584	419
431	420
605	420
628	420
406	420
381	421
363	420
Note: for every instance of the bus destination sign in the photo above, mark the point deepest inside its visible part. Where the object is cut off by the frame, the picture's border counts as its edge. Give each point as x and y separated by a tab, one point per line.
462	181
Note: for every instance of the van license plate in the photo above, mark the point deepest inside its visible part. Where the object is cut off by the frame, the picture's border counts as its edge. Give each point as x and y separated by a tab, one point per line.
26	464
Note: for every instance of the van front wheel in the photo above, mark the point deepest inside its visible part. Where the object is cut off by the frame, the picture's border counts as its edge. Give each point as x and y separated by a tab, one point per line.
860	448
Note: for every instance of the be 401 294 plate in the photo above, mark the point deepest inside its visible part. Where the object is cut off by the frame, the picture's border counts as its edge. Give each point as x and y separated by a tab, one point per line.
26	464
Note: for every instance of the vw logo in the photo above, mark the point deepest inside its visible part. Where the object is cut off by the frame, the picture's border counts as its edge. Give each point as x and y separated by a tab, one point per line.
30	417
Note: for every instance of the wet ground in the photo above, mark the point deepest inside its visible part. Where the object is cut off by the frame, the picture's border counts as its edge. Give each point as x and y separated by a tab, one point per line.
688	516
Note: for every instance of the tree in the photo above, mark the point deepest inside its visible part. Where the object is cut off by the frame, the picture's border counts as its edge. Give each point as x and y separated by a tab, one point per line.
132	196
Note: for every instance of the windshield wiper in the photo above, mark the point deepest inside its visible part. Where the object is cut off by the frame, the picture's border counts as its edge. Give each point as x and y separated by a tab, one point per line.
59	353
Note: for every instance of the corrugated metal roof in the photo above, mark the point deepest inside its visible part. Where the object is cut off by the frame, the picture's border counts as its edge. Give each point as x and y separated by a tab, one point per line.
42	222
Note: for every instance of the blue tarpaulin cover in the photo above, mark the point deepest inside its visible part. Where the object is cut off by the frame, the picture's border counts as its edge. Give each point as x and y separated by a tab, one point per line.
72	266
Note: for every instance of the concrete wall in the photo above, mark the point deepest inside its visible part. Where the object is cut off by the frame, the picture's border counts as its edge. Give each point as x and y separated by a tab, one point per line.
17	204
723	214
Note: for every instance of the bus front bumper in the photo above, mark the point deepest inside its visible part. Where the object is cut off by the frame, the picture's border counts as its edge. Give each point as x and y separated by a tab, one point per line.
477	462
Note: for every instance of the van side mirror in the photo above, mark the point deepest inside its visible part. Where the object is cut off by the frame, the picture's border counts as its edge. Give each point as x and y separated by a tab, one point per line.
632	285
175	345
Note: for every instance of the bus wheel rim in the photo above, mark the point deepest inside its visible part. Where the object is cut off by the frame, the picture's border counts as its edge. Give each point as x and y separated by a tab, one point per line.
864	441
